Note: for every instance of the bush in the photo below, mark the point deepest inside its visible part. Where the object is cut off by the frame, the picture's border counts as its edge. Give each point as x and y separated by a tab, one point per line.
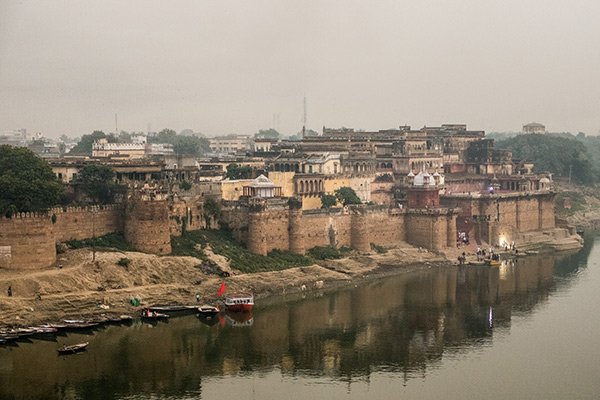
327	252
185	185
124	262
112	240
192	243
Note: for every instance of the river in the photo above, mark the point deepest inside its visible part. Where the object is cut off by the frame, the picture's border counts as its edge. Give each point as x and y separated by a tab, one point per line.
528	329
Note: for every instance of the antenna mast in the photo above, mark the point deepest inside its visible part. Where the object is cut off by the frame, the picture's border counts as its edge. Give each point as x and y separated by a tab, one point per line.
304	119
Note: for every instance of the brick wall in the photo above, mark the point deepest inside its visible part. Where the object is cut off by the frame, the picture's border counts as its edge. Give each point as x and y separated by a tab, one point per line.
86	222
30	241
147	226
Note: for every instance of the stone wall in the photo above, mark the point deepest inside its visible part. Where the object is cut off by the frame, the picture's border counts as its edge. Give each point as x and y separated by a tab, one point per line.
431	229
268	231
147	226
497	218
86	222
326	228
28	241
272	225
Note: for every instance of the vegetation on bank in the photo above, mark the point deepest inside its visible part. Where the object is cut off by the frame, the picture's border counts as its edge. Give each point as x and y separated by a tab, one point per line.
110	241
569	203
221	242
565	155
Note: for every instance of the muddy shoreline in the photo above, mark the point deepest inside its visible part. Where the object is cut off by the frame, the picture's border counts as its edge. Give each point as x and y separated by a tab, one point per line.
82	289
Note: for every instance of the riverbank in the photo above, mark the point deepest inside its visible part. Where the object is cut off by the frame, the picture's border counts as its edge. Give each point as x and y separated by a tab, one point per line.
79	288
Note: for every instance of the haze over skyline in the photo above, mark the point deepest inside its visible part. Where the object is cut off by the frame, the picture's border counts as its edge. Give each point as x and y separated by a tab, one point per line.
66	67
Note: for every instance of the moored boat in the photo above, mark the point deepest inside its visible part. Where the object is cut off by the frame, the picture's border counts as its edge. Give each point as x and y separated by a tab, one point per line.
239	302
74	348
173	309
207	311
147	314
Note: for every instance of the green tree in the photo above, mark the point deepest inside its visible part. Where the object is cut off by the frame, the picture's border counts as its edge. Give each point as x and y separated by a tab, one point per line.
182	144
347	196
267	134
235	171
562	155
212	210
97	182
328	201
84	146
27	182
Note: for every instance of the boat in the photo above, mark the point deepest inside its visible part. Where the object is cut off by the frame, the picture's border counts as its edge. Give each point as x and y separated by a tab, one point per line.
493	263
479	262
147	314
532	252
74	348
207	311
239	302
173	309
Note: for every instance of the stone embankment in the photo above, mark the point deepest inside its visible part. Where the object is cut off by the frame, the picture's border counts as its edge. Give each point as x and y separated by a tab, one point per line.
79	288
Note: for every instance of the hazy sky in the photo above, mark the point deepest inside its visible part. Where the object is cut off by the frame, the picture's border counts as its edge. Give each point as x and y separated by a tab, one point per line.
225	66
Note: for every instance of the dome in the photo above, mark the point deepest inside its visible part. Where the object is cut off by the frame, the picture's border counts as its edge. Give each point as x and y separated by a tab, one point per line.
544	180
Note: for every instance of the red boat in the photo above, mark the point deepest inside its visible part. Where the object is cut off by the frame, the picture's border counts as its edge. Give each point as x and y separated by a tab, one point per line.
239	302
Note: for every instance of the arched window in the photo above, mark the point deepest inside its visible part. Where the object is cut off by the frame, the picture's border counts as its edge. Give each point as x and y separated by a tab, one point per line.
311	187
301	186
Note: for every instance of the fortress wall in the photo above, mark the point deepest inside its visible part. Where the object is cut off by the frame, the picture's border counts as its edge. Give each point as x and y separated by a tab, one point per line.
528	214
147	226
386	228
547	212
268	230
428	229
86	222
325	229
27	241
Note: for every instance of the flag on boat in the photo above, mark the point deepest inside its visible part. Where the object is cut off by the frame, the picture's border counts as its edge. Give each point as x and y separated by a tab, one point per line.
221	289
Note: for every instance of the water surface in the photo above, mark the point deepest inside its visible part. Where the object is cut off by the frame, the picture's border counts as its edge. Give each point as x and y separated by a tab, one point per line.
528	329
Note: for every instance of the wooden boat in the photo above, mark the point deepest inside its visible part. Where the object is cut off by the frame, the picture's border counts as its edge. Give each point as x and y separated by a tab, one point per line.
239	302
152	315
493	263
207	311
74	348
173	309
477	262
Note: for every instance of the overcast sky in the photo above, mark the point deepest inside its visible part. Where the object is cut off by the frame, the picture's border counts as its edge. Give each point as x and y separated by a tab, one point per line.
226	66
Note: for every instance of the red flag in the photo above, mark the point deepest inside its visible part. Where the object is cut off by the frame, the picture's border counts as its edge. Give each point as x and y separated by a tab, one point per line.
221	289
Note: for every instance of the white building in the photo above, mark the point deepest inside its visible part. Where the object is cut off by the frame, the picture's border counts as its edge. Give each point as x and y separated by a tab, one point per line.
534	127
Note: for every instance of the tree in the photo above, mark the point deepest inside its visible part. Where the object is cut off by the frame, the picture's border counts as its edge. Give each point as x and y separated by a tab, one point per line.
84	146
347	196
97	182
267	134
182	144
328	201
235	171
27	182
212	210
561	155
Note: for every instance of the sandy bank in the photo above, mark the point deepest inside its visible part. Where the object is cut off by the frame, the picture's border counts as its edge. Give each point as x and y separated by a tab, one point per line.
80	288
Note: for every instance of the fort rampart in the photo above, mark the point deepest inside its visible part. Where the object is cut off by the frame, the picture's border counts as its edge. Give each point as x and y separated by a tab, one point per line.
270	224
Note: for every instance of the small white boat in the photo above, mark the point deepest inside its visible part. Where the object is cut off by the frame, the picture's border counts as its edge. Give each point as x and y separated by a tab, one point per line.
74	348
207	311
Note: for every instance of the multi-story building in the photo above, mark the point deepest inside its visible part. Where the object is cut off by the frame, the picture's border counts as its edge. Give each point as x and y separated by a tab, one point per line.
230	144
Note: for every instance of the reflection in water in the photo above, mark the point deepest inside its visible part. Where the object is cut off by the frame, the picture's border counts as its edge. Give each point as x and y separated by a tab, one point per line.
401	324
